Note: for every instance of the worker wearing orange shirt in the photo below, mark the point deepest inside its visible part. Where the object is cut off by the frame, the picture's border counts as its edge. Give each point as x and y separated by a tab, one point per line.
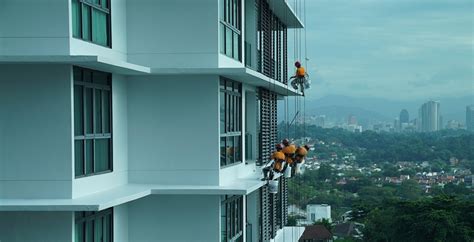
299	78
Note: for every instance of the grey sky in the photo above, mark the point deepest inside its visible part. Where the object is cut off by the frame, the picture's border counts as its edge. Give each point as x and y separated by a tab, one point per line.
396	49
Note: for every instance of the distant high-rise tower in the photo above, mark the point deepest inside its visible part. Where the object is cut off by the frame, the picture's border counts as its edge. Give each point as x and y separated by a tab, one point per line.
470	117
430	116
352	119
404	117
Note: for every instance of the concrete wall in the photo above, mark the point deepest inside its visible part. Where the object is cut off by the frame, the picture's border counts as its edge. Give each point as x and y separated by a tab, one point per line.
174	218
253	213
36	226
119	176
173	129
36	126
34	27
173	34
119	36
121	223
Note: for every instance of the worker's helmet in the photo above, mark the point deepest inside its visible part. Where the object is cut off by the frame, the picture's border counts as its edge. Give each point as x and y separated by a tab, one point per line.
297	64
288	150
301	151
285	142
279	156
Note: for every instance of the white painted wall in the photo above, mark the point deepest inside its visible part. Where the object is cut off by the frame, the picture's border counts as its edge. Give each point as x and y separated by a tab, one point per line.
34	27
36	125
173	34
119	176
253	204
173	129
161	218
119	36
36	226
121	223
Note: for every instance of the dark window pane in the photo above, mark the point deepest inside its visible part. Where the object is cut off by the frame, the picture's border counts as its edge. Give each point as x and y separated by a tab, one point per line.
90	231
237	149
223	151
79	157
230	150
105	4
76	19
99	27
77	74
87	76
222	43
107	108
86	22
96	2
89	156
236	45
98	112
108	228
98	229
222	112
78	111
79	233
101	78
102	155
88	111
228	42
231	113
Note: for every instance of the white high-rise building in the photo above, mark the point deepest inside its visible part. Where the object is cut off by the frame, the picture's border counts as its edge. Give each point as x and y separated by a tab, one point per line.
140	120
429	114
318	212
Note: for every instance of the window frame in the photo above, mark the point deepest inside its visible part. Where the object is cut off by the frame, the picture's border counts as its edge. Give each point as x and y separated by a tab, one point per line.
98	7
87	216
231	20
94	136
232	111
234	214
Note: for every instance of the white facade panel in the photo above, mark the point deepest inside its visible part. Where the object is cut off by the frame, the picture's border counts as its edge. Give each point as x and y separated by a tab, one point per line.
36	226
174	218
34	27
173	34
36	124
121	223
173	130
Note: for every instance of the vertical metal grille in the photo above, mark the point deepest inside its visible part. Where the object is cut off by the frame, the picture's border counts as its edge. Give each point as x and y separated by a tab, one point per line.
271	60
265	211
268	124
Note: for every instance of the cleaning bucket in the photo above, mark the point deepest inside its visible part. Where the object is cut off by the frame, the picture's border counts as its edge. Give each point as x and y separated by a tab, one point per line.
288	172
273	186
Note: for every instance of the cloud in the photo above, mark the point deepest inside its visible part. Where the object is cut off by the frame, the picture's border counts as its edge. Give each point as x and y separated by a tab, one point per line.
398	49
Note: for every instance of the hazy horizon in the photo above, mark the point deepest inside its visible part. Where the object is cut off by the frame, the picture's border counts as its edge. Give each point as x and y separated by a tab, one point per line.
401	50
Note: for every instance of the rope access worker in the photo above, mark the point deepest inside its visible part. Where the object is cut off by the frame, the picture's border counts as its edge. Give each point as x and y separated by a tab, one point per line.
276	164
300	156
300	78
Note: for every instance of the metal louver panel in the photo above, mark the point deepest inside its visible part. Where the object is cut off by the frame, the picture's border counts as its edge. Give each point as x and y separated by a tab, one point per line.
265	211
268	124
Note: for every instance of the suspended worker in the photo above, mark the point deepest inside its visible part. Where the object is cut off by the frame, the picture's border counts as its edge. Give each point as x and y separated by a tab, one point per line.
300	156
275	165
300	78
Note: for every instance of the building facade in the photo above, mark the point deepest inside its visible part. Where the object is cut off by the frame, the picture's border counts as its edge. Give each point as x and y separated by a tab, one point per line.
470	117
430	118
120	121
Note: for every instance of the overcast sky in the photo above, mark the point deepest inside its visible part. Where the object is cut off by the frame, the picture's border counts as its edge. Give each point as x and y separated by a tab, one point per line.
397	49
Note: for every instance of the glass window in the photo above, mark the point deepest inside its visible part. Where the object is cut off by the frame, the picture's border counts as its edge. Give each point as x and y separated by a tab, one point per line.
231	28
230	118
91	21
93	111
232	218
94	226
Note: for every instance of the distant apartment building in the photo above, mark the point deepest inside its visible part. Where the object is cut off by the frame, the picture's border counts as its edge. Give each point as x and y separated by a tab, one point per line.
141	120
318	212
404	119
470	117
429	116
352	120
